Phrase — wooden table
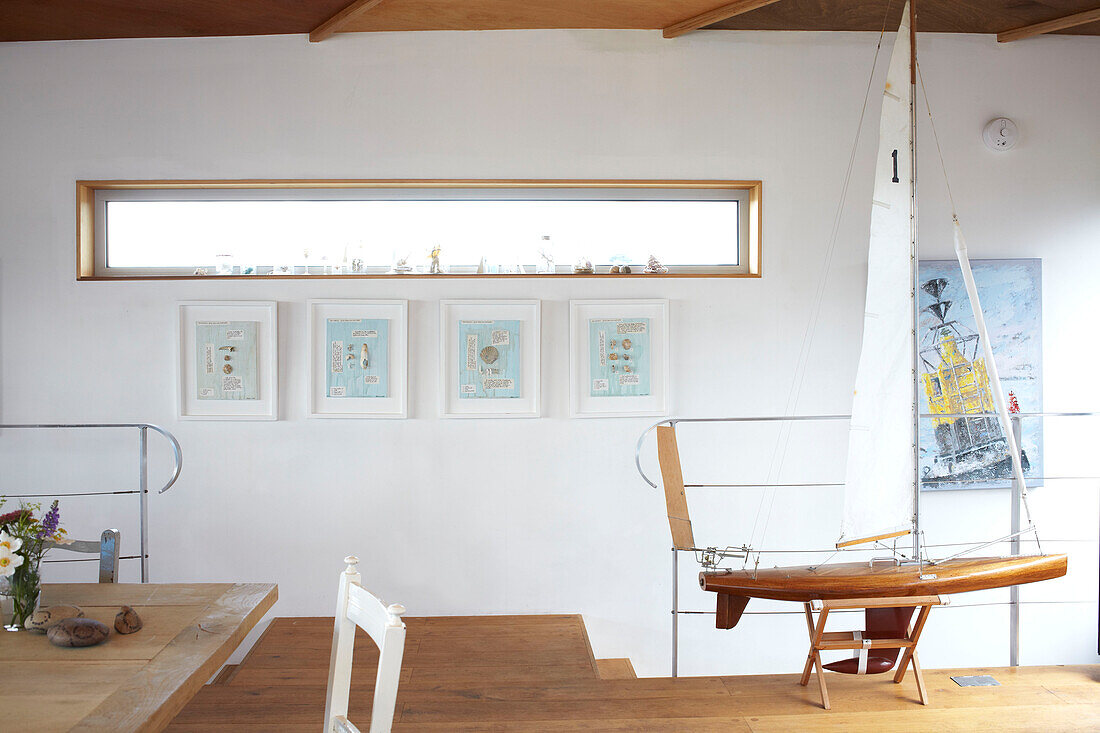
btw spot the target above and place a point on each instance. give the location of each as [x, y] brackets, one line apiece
[129, 683]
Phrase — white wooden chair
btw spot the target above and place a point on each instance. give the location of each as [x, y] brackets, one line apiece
[355, 606]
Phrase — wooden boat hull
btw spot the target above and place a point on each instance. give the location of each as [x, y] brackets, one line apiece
[859, 580]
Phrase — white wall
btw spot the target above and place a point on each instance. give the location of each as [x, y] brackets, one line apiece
[548, 515]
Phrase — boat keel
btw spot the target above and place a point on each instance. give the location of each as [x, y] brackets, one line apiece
[730, 608]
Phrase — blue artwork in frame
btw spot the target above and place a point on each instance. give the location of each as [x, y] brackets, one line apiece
[971, 453]
[619, 357]
[358, 356]
[226, 357]
[489, 359]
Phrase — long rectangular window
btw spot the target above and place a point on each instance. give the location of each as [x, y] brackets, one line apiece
[378, 229]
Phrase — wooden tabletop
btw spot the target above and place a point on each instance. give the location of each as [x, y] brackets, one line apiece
[128, 683]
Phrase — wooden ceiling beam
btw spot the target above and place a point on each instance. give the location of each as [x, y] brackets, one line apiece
[1049, 26]
[724, 12]
[338, 21]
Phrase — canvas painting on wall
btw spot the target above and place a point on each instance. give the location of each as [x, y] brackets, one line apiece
[971, 453]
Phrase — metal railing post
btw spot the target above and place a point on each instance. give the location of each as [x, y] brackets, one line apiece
[143, 497]
[675, 609]
[1014, 591]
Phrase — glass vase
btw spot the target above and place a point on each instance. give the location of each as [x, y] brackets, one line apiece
[24, 587]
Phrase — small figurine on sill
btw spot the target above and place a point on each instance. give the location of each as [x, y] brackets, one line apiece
[583, 266]
[655, 267]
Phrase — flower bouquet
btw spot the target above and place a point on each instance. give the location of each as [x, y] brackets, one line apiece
[23, 537]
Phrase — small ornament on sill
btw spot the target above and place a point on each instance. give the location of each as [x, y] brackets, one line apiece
[547, 266]
[402, 266]
[613, 270]
[654, 267]
[434, 268]
[200, 271]
[583, 266]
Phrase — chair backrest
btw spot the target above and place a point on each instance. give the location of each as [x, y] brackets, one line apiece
[106, 548]
[355, 606]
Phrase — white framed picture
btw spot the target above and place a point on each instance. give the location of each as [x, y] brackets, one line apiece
[228, 360]
[619, 358]
[358, 359]
[490, 352]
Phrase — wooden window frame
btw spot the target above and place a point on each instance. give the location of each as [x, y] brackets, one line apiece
[86, 265]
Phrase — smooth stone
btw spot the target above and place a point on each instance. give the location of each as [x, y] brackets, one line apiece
[45, 619]
[77, 632]
[127, 621]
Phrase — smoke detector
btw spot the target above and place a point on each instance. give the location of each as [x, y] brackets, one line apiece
[1000, 134]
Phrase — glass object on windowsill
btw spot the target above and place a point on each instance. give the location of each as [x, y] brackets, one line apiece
[224, 263]
[402, 266]
[546, 257]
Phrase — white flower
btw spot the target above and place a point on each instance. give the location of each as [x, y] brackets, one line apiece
[7, 542]
[9, 561]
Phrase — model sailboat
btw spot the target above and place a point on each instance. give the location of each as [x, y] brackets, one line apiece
[881, 485]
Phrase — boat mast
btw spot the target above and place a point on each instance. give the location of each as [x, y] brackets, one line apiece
[915, 270]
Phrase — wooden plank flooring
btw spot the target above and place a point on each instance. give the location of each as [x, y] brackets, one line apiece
[537, 673]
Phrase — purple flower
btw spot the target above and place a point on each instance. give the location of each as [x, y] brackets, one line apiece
[50, 522]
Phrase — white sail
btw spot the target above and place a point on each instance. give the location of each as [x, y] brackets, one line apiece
[987, 349]
[879, 483]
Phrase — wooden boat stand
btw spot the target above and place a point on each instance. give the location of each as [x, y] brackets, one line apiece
[821, 640]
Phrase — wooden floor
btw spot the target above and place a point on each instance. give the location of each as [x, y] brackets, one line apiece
[537, 673]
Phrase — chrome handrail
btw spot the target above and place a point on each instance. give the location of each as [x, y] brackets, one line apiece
[673, 421]
[143, 471]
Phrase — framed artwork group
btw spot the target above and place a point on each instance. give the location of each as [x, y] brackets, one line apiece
[489, 359]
